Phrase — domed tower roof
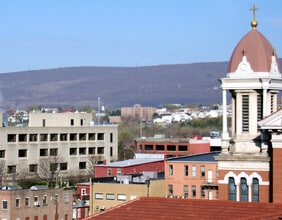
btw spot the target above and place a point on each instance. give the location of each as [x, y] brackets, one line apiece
[256, 49]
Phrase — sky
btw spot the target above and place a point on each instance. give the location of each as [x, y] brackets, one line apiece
[67, 33]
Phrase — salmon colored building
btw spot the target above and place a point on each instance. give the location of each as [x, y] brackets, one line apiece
[192, 176]
[249, 166]
[172, 147]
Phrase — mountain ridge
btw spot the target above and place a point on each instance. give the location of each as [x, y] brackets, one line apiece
[195, 83]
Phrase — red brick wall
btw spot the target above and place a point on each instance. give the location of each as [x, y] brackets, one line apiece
[277, 175]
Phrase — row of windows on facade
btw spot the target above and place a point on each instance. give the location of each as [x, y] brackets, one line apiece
[57, 137]
[186, 170]
[54, 151]
[33, 168]
[157, 147]
[242, 193]
[37, 201]
[193, 191]
[110, 196]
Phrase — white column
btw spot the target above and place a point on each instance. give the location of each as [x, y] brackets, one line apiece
[250, 192]
[264, 103]
[224, 115]
[238, 192]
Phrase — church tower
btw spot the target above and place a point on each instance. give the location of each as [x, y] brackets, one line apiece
[253, 81]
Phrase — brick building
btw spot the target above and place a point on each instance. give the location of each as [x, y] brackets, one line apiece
[36, 203]
[138, 112]
[172, 147]
[193, 176]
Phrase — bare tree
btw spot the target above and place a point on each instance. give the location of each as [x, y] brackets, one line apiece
[2, 171]
[49, 169]
[91, 162]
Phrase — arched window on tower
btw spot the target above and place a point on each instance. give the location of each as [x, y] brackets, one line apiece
[244, 190]
[231, 189]
[255, 190]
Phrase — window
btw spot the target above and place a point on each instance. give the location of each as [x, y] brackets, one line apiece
[245, 113]
[91, 150]
[186, 171]
[149, 147]
[170, 170]
[111, 151]
[22, 137]
[171, 148]
[53, 152]
[44, 200]
[100, 150]
[33, 168]
[43, 137]
[203, 171]
[71, 122]
[185, 191]
[159, 147]
[110, 196]
[81, 122]
[118, 171]
[73, 137]
[109, 172]
[53, 137]
[4, 204]
[2, 153]
[100, 136]
[53, 167]
[202, 192]
[43, 152]
[170, 190]
[121, 197]
[194, 170]
[18, 203]
[12, 169]
[22, 153]
[244, 190]
[82, 137]
[73, 151]
[63, 166]
[36, 201]
[194, 191]
[63, 137]
[43, 123]
[82, 150]
[111, 137]
[82, 165]
[66, 197]
[182, 148]
[255, 190]
[26, 201]
[99, 196]
[11, 138]
[91, 136]
[231, 189]
[33, 137]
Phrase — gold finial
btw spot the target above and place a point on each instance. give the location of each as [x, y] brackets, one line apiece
[254, 22]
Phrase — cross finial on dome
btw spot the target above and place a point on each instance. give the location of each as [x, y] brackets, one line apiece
[244, 52]
[254, 22]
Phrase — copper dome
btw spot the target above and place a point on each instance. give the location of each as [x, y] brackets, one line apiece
[258, 51]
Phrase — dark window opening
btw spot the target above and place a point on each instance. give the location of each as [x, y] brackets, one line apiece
[73, 137]
[149, 147]
[22, 137]
[82, 137]
[43, 137]
[182, 148]
[100, 136]
[22, 153]
[171, 148]
[160, 147]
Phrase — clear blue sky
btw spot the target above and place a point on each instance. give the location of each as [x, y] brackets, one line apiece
[64, 33]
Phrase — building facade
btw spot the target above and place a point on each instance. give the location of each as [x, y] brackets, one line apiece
[254, 81]
[172, 147]
[56, 145]
[31, 204]
[193, 176]
[138, 112]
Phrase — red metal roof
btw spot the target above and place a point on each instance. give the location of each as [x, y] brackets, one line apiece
[258, 51]
[180, 209]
